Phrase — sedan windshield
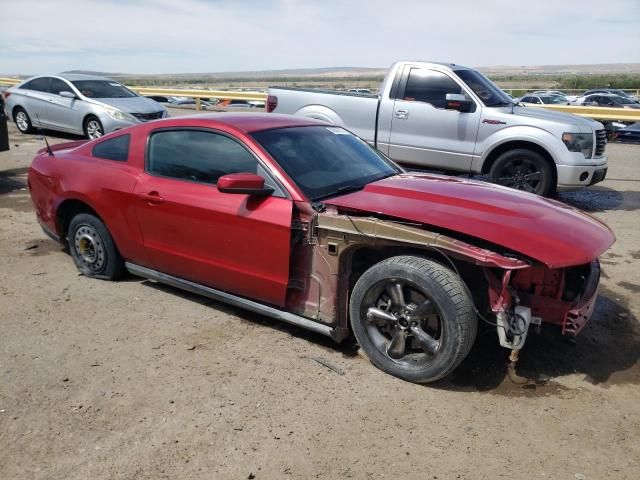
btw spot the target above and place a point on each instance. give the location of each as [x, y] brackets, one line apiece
[490, 94]
[551, 99]
[102, 89]
[325, 161]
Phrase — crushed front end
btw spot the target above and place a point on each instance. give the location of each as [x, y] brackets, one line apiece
[563, 296]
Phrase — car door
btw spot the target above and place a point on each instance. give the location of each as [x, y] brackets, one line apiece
[35, 98]
[233, 242]
[423, 132]
[62, 112]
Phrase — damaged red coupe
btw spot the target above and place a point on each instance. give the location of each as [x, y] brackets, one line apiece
[306, 223]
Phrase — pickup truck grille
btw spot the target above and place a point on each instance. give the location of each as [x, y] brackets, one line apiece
[145, 117]
[601, 141]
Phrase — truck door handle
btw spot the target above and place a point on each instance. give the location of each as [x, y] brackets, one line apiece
[151, 197]
[402, 114]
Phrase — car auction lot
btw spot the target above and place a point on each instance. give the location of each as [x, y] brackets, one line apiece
[135, 380]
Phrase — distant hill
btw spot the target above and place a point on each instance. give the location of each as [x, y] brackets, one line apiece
[607, 68]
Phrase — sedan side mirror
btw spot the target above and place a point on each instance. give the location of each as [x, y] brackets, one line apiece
[67, 94]
[246, 183]
[457, 101]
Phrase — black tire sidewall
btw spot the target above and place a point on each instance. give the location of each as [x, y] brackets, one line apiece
[114, 265]
[548, 187]
[455, 343]
[86, 124]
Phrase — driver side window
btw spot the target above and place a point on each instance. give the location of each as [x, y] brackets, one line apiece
[197, 156]
[429, 86]
[58, 86]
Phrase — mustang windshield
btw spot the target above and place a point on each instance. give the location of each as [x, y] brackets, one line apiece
[490, 94]
[102, 89]
[325, 161]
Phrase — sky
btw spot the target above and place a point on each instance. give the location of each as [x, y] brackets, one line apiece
[190, 36]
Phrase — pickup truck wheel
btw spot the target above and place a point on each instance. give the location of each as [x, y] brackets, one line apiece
[525, 170]
[413, 318]
[23, 122]
[92, 248]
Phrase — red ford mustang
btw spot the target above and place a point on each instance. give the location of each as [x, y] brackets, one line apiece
[305, 222]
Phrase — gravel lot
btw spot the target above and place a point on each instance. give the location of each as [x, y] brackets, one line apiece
[133, 380]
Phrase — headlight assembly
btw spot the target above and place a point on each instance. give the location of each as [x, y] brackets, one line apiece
[118, 115]
[579, 142]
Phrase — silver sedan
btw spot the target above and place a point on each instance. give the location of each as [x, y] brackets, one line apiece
[81, 104]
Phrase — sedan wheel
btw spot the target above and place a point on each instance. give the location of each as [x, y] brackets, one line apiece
[23, 122]
[93, 128]
[413, 318]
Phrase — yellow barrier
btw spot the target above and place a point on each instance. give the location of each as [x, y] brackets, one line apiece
[9, 81]
[223, 94]
[597, 113]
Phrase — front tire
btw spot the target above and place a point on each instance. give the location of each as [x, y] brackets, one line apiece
[93, 128]
[93, 249]
[413, 318]
[23, 122]
[525, 170]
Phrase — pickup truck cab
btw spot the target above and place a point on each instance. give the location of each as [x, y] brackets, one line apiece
[452, 118]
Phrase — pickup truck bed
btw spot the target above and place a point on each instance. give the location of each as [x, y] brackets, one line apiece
[358, 111]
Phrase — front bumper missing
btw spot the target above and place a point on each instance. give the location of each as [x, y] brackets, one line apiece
[578, 316]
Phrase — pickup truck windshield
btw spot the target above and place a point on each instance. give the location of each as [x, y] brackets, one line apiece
[325, 161]
[490, 94]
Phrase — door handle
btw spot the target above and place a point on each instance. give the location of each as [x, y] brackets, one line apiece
[401, 114]
[151, 197]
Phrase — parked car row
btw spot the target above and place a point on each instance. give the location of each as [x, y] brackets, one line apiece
[603, 97]
[207, 102]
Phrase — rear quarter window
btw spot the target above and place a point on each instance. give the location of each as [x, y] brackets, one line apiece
[38, 84]
[116, 149]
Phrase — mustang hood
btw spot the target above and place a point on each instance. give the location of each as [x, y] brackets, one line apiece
[542, 229]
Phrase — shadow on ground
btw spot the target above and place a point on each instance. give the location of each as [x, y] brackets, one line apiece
[600, 198]
[13, 179]
[609, 344]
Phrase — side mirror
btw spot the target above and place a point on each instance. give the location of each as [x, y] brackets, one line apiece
[457, 101]
[245, 183]
[67, 94]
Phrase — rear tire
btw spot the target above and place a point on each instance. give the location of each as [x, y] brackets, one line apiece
[525, 170]
[413, 318]
[93, 127]
[93, 249]
[23, 122]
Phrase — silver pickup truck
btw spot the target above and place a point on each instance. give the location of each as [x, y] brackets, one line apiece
[447, 117]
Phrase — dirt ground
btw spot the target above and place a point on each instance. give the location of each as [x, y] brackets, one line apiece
[133, 380]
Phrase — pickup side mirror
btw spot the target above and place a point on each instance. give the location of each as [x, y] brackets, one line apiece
[457, 101]
[245, 183]
[67, 94]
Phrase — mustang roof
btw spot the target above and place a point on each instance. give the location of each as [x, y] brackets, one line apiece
[247, 122]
